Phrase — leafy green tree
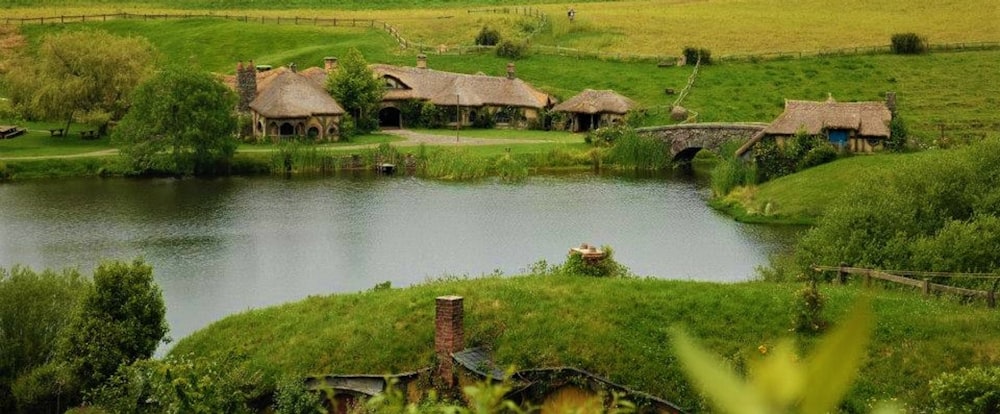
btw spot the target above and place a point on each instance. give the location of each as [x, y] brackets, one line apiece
[33, 311]
[182, 117]
[121, 320]
[358, 90]
[87, 76]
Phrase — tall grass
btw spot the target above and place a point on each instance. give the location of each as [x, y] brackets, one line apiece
[731, 171]
[634, 151]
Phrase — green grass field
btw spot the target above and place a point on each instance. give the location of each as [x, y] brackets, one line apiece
[637, 27]
[958, 91]
[618, 328]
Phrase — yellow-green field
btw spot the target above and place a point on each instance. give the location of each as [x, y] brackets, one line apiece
[662, 27]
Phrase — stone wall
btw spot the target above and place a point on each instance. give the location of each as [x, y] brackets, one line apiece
[684, 139]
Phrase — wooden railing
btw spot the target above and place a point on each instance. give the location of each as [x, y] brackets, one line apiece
[925, 285]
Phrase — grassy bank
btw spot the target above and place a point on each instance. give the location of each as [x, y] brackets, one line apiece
[625, 338]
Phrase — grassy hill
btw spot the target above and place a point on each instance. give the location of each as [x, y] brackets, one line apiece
[636, 27]
[618, 328]
[955, 90]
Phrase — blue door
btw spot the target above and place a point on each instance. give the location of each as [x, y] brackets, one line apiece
[838, 137]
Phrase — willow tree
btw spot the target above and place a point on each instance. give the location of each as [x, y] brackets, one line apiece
[85, 76]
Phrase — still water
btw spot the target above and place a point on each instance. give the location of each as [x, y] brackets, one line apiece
[227, 245]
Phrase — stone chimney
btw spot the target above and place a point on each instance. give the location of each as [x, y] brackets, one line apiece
[330, 64]
[449, 335]
[422, 61]
[510, 70]
[890, 102]
[246, 84]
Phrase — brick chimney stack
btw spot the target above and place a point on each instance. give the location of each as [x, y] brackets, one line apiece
[330, 64]
[422, 61]
[510, 70]
[449, 335]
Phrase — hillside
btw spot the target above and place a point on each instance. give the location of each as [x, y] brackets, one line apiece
[618, 328]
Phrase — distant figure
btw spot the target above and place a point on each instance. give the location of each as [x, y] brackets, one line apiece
[571, 14]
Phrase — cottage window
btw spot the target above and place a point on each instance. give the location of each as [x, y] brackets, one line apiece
[286, 129]
[313, 132]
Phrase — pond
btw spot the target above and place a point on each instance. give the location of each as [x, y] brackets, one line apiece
[226, 245]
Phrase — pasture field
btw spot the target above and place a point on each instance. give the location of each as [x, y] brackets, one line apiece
[636, 27]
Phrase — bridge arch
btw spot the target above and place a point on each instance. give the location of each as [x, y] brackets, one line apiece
[685, 140]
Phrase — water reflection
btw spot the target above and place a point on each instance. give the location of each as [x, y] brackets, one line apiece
[223, 246]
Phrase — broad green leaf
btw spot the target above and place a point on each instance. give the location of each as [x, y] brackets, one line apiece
[779, 377]
[834, 363]
[722, 386]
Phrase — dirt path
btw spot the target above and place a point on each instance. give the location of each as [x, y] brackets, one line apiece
[411, 139]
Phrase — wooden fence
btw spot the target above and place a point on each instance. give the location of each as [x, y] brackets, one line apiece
[925, 285]
[466, 49]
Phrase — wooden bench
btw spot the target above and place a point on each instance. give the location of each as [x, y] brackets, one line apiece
[92, 134]
[10, 131]
[56, 132]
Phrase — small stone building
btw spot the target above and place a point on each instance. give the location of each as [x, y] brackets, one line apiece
[509, 100]
[285, 102]
[852, 126]
[592, 109]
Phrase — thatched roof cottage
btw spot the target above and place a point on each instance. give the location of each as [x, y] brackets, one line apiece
[511, 101]
[284, 102]
[593, 109]
[853, 126]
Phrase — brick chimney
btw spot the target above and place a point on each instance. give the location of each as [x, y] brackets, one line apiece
[330, 64]
[510, 70]
[449, 335]
[422, 61]
[890, 102]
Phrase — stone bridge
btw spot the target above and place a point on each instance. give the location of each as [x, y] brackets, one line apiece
[685, 140]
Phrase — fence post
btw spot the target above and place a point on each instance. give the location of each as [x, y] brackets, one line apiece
[991, 299]
[926, 287]
[868, 279]
[842, 274]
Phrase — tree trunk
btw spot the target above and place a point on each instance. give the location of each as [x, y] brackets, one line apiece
[69, 121]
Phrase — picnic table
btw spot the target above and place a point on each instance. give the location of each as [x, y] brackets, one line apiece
[10, 131]
[91, 134]
[56, 132]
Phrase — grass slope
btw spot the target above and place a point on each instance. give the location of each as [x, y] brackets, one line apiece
[956, 90]
[618, 328]
[644, 27]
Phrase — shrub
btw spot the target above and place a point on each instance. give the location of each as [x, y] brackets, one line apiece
[511, 50]
[971, 390]
[607, 136]
[898, 134]
[818, 155]
[692, 54]
[483, 119]
[488, 37]
[807, 311]
[908, 44]
[576, 264]
[292, 397]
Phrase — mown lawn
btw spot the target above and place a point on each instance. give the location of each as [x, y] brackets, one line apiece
[39, 142]
[613, 327]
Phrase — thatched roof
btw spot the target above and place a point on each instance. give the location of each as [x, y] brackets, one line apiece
[869, 119]
[595, 102]
[288, 94]
[441, 88]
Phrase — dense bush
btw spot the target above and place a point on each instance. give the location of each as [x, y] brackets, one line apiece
[511, 50]
[908, 44]
[483, 119]
[576, 264]
[693, 54]
[607, 136]
[971, 390]
[898, 134]
[807, 310]
[488, 37]
[180, 385]
[800, 152]
[938, 212]
[34, 309]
